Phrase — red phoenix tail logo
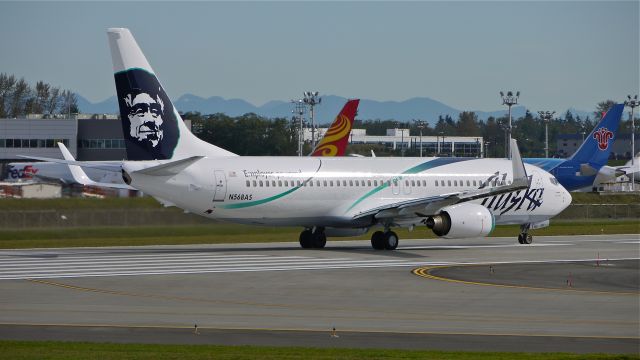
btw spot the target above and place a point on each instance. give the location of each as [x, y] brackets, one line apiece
[602, 136]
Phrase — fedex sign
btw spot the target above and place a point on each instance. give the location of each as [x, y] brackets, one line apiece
[24, 172]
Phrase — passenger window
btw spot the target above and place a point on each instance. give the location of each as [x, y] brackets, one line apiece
[406, 183]
[324, 182]
[455, 182]
[266, 183]
[424, 182]
[350, 182]
[299, 183]
[273, 183]
[375, 183]
[260, 183]
[436, 182]
[344, 182]
[474, 183]
[468, 183]
[280, 183]
[331, 183]
[369, 182]
[248, 183]
[448, 182]
[441, 182]
[286, 183]
[337, 182]
[254, 183]
[413, 183]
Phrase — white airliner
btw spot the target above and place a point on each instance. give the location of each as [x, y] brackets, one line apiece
[337, 196]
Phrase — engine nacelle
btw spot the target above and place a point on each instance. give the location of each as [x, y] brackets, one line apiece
[462, 221]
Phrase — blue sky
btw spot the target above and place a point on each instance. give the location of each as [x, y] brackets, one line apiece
[558, 54]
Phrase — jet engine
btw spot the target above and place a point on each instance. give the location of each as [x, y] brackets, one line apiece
[462, 221]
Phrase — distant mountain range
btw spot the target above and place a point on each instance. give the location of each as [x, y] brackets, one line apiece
[416, 108]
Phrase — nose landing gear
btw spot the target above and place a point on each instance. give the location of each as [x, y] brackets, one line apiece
[524, 237]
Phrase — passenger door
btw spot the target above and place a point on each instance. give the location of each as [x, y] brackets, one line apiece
[220, 187]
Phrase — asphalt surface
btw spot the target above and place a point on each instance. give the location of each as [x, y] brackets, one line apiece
[566, 293]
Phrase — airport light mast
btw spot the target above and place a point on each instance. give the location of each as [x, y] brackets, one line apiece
[312, 99]
[546, 116]
[298, 115]
[420, 125]
[632, 103]
[509, 100]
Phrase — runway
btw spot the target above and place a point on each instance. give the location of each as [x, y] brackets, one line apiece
[577, 294]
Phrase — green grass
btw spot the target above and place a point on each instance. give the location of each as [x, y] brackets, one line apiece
[78, 203]
[233, 233]
[50, 350]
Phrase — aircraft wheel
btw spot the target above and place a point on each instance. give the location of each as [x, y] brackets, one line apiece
[521, 238]
[390, 240]
[377, 240]
[306, 239]
[528, 239]
[319, 240]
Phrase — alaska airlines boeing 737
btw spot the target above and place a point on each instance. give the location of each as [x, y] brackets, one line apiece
[335, 196]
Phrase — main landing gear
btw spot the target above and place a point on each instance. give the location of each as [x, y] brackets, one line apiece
[524, 237]
[313, 238]
[387, 240]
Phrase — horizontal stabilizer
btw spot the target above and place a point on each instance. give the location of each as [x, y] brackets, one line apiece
[170, 168]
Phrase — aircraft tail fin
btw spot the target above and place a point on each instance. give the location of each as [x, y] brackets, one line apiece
[152, 127]
[335, 140]
[596, 148]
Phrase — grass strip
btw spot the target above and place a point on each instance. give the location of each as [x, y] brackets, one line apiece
[234, 233]
[54, 350]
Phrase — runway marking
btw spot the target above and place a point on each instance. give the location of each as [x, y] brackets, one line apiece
[424, 272]
[342, 330]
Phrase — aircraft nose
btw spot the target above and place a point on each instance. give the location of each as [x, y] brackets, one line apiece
[566, 200]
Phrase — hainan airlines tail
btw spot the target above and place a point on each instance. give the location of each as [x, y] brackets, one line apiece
[335, 140]
[152, 127]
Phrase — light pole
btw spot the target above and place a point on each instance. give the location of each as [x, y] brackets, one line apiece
[509, 100]
[402, 142]
[546, 116]
[311, 98]
[420, 125]
[486, 148]
[632, 103]
[298, 113]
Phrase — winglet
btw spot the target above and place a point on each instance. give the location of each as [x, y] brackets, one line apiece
[519, 172]
[77, 173]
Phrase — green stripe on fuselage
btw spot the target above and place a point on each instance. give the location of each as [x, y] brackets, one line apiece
[414, 170]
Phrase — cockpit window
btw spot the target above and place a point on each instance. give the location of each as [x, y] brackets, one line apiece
[553, 180]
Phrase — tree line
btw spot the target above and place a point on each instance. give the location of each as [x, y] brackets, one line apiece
[251, 134]
[18, 98]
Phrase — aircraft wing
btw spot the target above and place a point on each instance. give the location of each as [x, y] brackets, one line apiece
[116, 167]
[81, 177]
[423, 207]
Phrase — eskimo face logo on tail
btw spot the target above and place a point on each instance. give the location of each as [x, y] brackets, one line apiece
[145, 116]
[149, 123]
[602, 136]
